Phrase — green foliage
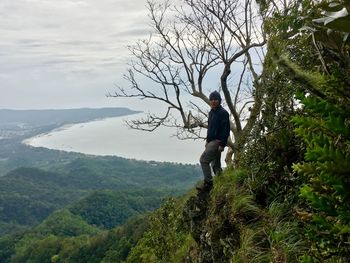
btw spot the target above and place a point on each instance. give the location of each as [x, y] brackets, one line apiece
[113, 246]
[325, 129]
[273, 147]
[233, 228]
[274, 238]
[64, 223]
[232, 209]
[225, 226]
[284, 234]
[48, 238]
[40, 251]
[334, 17]
[265, 235]
[8, 246]
[165, 240]
[29, 195]
[107, 209]
[249, 216]
[67, 238]
[239, 203]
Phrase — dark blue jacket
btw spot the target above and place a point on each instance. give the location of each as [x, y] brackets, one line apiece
[218, 125]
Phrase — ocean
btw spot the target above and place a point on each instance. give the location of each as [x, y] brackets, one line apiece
[111, 136]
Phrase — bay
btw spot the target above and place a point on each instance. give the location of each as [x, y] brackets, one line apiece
[112, 137]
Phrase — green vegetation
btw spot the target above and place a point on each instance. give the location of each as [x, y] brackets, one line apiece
[289, 199]
[55, 204]
[225, 226]
[107, 209]
[29, 195]
[325, 128]
[14, 154]
[326, 176]
[286, 200]
[79, 242]
[64, 223]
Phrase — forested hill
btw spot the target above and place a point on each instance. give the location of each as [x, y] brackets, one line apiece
[59, 117]
[80, 204]
[29, 195]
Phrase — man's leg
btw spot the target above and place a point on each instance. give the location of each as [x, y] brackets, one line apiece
[209, 155]
[216, 164]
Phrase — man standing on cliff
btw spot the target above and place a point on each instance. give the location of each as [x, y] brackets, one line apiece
[217, 136]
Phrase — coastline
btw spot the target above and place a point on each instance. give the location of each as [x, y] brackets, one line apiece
[64, 127]
[111, 137]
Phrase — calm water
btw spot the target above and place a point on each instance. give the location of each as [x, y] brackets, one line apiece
[112, 137]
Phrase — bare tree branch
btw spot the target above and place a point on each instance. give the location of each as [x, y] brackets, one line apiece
[198, 40]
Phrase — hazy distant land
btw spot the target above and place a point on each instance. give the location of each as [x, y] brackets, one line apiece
[58, 117]
[18, 125]
[97, 132]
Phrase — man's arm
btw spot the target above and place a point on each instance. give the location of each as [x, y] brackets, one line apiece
[224, 129]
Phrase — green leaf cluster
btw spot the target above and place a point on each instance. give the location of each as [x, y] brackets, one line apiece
[325, 128]
[167, 240]
[65, 237]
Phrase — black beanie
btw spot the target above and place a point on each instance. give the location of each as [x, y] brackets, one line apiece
[215, 96]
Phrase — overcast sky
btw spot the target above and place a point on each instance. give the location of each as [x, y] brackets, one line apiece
[66, 53]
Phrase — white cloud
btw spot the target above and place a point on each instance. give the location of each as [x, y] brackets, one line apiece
[55, 41]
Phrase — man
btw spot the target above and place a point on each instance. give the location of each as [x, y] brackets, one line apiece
[217, 135]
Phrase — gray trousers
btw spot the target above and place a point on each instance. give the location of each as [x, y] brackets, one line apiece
[212, 156]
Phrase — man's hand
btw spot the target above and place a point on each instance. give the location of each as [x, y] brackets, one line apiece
[221, 149]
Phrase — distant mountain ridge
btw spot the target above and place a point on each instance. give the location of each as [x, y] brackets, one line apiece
[59, 116]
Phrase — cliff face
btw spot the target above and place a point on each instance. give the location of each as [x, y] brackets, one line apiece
[225, 225]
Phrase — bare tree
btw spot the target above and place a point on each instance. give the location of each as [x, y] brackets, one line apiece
[191, 43]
